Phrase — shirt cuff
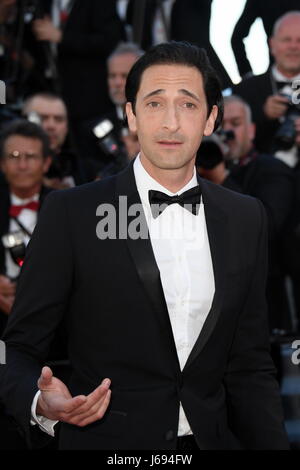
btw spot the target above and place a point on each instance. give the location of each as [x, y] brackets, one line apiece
[45, 424]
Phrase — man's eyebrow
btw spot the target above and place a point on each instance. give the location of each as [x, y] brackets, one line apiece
[44, 115]
[153, 93]
[189, 93]
[183, 91]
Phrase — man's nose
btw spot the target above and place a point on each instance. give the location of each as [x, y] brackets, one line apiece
[171, 118]
[49, 124]
[119, 82]
[23, 162]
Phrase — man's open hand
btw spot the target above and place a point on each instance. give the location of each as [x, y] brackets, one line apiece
[55, 401]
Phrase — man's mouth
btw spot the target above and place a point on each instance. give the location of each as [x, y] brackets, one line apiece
[170, 143]
[293, 56]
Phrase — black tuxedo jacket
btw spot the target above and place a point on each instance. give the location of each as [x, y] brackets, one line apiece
[111, 295]
[254, 91]
[91, 33]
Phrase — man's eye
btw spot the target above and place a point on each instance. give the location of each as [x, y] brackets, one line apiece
[189, 105]
[153, 104]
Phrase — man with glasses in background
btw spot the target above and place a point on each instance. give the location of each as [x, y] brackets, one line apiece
[24, 158]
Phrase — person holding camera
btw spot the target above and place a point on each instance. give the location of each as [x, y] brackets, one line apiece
[109, 143]
[50, 112]
[271, 95]
[25, 158]
[241, 167]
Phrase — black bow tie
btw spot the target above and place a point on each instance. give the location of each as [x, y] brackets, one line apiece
[190, 200]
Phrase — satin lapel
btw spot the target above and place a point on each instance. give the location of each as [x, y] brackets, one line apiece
[216, 222]
[143, 258]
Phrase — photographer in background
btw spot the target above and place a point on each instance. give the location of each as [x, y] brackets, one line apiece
[109, 141]
[268, 11]
[24, 154]
[24, 158]
[49, 111]
[270, 94]
[244, 169]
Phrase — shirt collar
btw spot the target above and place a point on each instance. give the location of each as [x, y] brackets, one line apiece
[120, 112]
[145, 182]
[279, 77]
[16, 201]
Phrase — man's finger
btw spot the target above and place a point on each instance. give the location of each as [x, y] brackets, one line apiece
[91, 417]
[94, 399]
[45, 378]
[92, 402]
[280, 98]
[100, 390]
[72, 405]
[91, 406]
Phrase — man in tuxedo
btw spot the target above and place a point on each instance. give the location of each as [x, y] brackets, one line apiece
[269, 180]
[168, 336]
[49, 110]
[25, 158]
[269, 94]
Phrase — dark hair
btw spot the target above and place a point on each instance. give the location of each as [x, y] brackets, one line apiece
[25, 128]
[46, 95]
[182, 53]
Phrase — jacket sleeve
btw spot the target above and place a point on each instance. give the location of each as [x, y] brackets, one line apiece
[41, 299]
[255, 413]
[93, 29]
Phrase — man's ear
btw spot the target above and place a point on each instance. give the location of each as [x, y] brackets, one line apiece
[252, 130]
[131, 119]
[210, 123]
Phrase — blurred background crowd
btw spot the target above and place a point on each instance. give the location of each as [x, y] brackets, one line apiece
[63, 68]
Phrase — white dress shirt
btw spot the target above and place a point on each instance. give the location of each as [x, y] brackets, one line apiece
[181, 248]
[279, 77]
